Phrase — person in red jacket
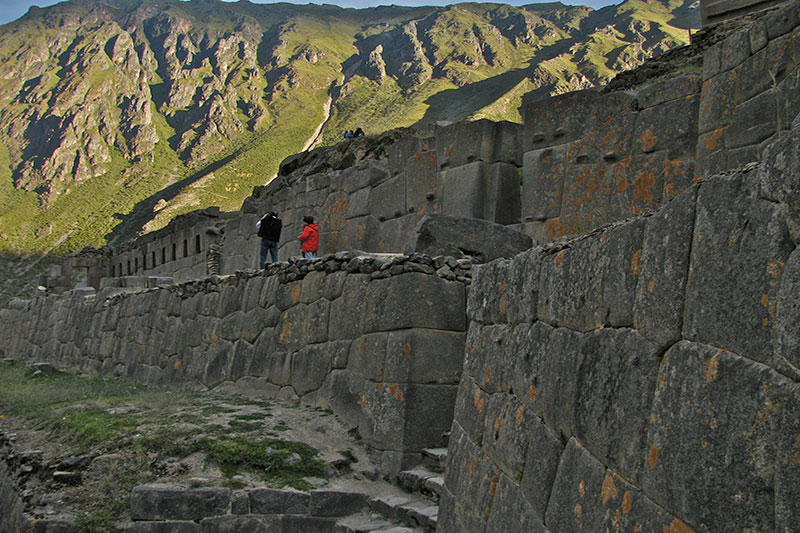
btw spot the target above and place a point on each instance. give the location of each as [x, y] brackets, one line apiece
[309, 239]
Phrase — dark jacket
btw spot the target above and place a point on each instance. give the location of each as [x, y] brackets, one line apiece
[270, 228]
[309, 238]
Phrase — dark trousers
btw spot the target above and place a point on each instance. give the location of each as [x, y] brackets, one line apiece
[272, 247]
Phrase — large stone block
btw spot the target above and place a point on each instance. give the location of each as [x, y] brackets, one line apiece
[658, 129]
[304, 324]
[347, 311]
[273, 501]
[664, 267]
[333, 214]
[368, 356]
[310, 366]
[787, 101]
[470, 409]
[489, 293]
[393, 235]
[712, 441]
[423, 356]
[716, 102]
[422, 184]
[233, 524]
[336, 503]
[356, 234]
[558, 120]
[481, 140]
[511, 511]
[388, 200]
[541, 466]
[364, 174]
[787, 465]
[543, 177]
[666, 90]
[359, 203]
[155, 503]
[622, 248]
[753, 121]
[740, 248]
[779, 175]
[456, 236]
[414, 300]
[588, 497]
[571, 289]
[615, 379]
[399, 152]
[482, 190]
[508, 429]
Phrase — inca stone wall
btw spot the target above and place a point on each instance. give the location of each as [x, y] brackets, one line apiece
[378, 339]
[643, 377]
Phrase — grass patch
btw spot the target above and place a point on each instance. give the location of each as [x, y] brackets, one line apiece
[278, 462]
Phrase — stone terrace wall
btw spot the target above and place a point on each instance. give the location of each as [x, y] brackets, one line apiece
[379, 340]
[750, 86]
[643, 377]
[466, 169]
[181, 250]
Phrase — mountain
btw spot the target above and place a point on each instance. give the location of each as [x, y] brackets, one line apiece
[118, 115]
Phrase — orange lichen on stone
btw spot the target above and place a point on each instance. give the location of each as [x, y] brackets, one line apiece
[478, 401]
[519, 415]
[471, 468]
[286, 332]
[622, 183]
[651, 287]
[396, 391]
[560, 258]
[609, 490]
[712, 367]
[578, 510]
[775, 268]
[488, 374]
[765, 300]
[407, 350]
[678, 526]
[498, 425]
[636, 262]
[177, 365]
[532, 393]
[296, 292]
[652, 457]
[627, 502]
[648, 140]
[711, 142]
[582, 488]
[643, 184]
[493, 484]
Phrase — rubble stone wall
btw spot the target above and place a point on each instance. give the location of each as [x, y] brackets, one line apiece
[379, 340]
[643, 377]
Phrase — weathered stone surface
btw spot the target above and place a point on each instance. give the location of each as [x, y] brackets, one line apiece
[481, 140]
[358, 203]
[486, 350]
[483, 191]
[234, 524]
[753, 121]
[470, 410]
[787, 465]
[394, 234]
[274, 501]
[511, 512]
[307, 524]
[543, 177]
[304, 324]
[423, 356]
[716, 103]
[735, 267]
[782, 20]
[456, 236]
[163, 527]
[558, 120]
[347, 312]
[735, 49]
[310, 366]
[541, 466]
[422, 184]
[356, 234]
[787, 318]
[155, 503]
[657, 127]
[713, 437]
[414, 300]
[571, 290]
[779, 175]
[388, 200]
[622, 248]
[336, 503]
[661, 91]
[506, 440]
[614, 386]
[663, 269]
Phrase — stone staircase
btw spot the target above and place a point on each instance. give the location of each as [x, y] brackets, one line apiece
[416, 511]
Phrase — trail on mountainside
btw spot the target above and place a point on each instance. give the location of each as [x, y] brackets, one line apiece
[333, 97]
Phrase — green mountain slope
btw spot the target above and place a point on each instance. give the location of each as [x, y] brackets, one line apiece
[120, 114]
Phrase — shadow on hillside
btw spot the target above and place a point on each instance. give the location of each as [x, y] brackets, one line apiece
[143, 212]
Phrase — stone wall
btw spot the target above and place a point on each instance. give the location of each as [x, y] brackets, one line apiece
[380, 340]
[185, 249]
[643, 377]
[12, 508]
[750, 86]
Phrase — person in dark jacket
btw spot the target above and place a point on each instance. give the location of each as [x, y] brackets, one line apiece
[309, 239]
[269, 229]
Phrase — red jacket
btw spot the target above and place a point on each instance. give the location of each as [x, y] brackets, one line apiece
[309, 238]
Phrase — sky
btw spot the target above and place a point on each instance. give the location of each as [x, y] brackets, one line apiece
[13, 9]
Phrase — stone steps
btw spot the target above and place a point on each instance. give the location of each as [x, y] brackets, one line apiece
[435, 459]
